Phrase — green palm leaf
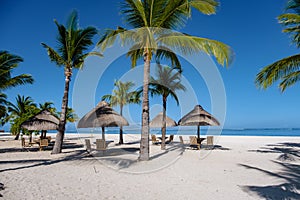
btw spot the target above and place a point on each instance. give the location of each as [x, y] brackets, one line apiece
[190, 44]
[8, 62]
[277, 71]
[54, 56]
[289, 80]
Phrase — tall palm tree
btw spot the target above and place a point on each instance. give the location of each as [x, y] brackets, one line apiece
[151, 36]
[122, 96]
[166, 83]
[8, 62]
[286, 70]
[73, 42]
[20, 112]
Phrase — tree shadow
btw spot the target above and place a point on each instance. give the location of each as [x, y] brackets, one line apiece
[290, 175]
[76, 155]
[287, 151]
[1, 188]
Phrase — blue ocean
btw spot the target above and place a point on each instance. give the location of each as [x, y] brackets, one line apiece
[203, 131]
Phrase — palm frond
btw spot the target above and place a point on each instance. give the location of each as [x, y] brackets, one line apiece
[82, 40]
[78, 63]
[289, 80]
[167, 53]
[72, 22]
[54, 56]
[278, 70]
[190, 44]
[174, 15]
[289, 19]
[9, 61]
[18, 80]
[109, 36]
[135, 53]
[293, 5]
[106, 97]
[207, 7]
[62, 41]
[134, 13]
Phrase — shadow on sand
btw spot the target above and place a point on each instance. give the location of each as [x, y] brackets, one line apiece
[118, 156]
[289, 173]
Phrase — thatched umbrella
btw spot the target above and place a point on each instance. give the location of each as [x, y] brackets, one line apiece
[198, 117]
[157, 122]
[102, 116]
[42, 121]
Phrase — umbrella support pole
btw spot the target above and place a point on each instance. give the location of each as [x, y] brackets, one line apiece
[103, 133]
[198, 132]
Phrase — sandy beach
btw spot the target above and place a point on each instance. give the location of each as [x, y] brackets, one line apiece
[239, 167]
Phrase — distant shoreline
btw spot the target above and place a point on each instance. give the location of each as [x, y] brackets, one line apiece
[272, 132]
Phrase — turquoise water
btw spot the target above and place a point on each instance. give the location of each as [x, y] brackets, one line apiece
[204, 131]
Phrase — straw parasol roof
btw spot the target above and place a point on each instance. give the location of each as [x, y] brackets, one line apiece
[44, 120]
[157, 121]
[198, 117]
[102, 116]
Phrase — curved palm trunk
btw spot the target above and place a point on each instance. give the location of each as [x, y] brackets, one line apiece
[144, 145]
[121, 127]
[163, 129]
[62, 121]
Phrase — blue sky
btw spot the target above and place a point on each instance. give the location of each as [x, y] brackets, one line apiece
[249, 27]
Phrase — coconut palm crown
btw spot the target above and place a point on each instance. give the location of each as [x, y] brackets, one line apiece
[286, 70]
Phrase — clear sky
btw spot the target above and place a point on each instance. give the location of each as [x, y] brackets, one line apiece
[249, 27]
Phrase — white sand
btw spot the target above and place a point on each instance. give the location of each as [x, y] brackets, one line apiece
[239, 168]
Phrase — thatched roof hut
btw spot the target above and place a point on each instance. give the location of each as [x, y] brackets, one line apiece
[102, 116]
[44, 120]
[157, 121]
[198, 117]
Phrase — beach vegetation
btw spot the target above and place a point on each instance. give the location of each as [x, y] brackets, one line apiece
[9, 62]
[152, 34]
[285, 70]
[73, 43]
[23, 109]
[122, 96]
[166, 83]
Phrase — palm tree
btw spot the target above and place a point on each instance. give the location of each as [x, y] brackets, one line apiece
[165, 84]
[286, 70]
[71, 116]
[121, 96]
[46, 105]
[20, 112]
[151, 36]
[8, 62]
[73, 42]
[3, 109]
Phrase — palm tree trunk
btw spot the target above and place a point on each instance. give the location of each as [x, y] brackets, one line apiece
[163, 129]
[17, 136]
[121, 128]
[62, 121]
[144, 145]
